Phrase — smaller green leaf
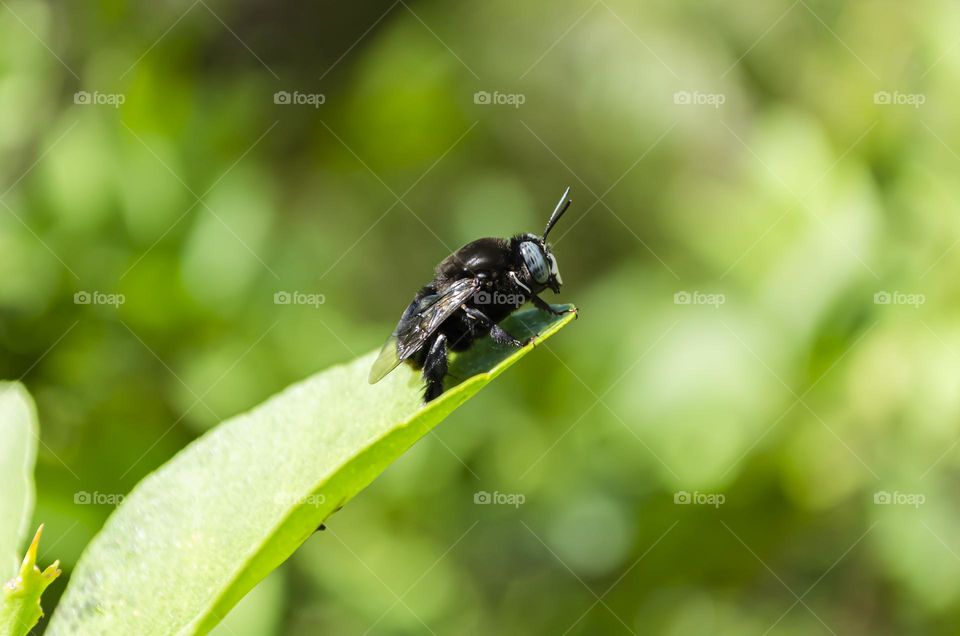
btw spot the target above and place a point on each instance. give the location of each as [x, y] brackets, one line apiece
[18, 453]
[21, 595]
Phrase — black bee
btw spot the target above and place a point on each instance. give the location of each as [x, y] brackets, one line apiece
[473, 289]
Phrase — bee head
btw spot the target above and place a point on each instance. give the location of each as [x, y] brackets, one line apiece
[537, 258]
[540, 263]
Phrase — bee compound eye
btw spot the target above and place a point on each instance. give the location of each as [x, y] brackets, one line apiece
[535, 262]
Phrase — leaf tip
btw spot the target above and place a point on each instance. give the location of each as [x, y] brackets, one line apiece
[20, 607]
[29, 570]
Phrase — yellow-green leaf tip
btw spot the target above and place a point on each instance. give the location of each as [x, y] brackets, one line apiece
[21, 595]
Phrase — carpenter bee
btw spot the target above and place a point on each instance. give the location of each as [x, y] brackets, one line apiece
[473, 289]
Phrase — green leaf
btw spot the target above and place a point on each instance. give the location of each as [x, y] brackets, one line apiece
[196, 535]
[18, 454]
[20, 603]
[20, 608]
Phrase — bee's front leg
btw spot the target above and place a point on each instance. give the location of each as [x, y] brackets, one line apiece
[516, 281]
[543, 305]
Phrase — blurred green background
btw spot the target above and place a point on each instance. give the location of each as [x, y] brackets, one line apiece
[751, 429]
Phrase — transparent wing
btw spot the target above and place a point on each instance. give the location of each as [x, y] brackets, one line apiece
[420, 320]
[387, 361]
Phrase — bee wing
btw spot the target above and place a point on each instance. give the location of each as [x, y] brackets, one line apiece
[387, 361]
[421, 319]
[390, 355]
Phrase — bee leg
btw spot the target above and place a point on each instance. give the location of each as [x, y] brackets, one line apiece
[543, 305]
[497, 333]
[504, 337]
[435, 368]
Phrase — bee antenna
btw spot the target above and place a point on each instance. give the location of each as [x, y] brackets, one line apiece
[558, 211]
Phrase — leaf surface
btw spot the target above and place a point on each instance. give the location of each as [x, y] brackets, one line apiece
[197, 534]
